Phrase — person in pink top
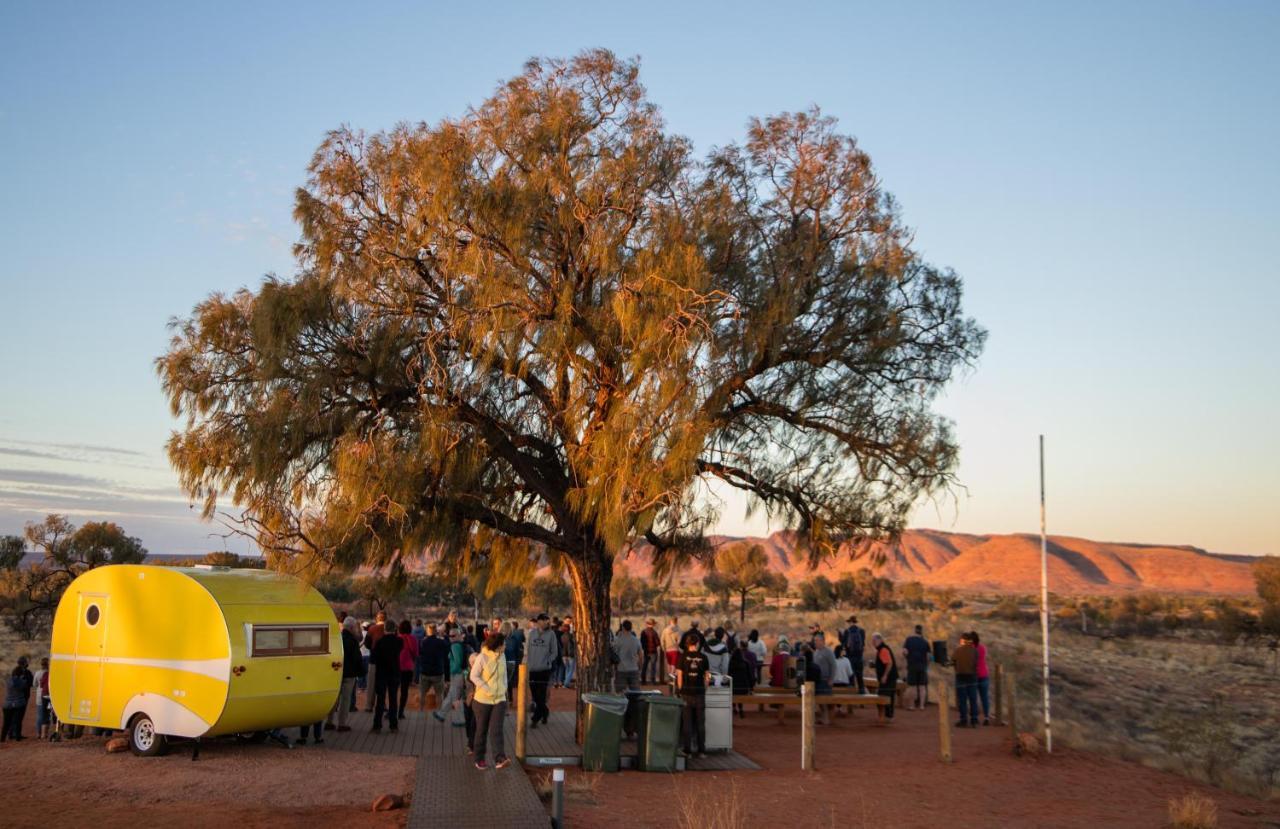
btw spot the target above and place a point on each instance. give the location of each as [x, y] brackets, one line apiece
[408, 658]
[984, 678]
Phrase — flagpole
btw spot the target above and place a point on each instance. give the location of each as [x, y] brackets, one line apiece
[1044, 605]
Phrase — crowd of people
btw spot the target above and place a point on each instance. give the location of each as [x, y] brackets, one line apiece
[470, 671]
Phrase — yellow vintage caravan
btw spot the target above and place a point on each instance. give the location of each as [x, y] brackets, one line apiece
[192, 652]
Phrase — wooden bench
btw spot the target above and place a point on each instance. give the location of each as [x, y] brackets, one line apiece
[840, 690]
[782, 697]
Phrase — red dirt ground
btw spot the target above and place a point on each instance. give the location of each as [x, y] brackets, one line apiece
[867, 776]
[870, 776]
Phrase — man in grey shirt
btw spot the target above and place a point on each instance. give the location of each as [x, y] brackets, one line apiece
[541, 650]
[627, 650]
[825, 661]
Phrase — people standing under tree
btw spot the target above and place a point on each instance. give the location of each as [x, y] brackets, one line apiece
[671, 642]
[457, 678]
[854, 640]
[408, 663]
[489, 675]
[651, 643]
[982, 681]
[541, 651]
[778, 667]
[17, 691]
[384, 664]
[626, 654]
[352, 668]
[757, 647]
[916, 652]
[433, 667]
[844, 669]
[965, 661]
[717, 652]
[40, 685]
[741, 673]
[568, 642]
[886, 676]
[371, 637]
[691, 685]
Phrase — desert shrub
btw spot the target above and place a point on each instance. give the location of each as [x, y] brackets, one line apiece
[1270, 621]
[1008, 609]
[719, 808]
[1233, 623]
[1147, 626]
[1201, 742]
[1193, 811]
[1171, 621]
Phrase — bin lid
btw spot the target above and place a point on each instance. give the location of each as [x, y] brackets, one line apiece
[643, 692]
[612, 703]
[659, 699]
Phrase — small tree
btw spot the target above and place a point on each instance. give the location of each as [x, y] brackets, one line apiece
[548, 593]
[817, 594]
[29, 598]
[742, 569]
[1266, 576]
[12, 549]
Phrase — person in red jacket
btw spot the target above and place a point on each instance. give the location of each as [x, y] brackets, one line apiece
[408, 658]
[652, 655]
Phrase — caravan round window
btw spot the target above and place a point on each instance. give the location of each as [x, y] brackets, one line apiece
[92, 614]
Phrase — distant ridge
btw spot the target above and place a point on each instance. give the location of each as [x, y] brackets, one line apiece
[1011, 564]
[987, 563]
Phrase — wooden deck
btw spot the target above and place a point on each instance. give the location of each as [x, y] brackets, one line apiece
[420, 735]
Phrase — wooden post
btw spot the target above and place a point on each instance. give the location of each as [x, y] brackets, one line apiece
[1011, 691]
[522, 710]
[806, 728]
[944, 724]
[998, 681]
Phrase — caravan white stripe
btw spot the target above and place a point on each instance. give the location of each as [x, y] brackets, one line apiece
[219, 669]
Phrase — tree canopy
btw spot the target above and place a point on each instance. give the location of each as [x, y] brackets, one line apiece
[537, 331]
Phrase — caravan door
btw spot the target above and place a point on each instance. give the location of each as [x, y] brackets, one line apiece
[87, 667]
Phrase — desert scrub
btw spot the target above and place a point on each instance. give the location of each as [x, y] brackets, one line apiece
[1193, 811]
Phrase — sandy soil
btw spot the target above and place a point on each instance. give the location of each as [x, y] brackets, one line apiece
[870, 776]
[76, 783]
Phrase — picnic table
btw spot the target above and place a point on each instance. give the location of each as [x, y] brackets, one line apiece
[780, 698]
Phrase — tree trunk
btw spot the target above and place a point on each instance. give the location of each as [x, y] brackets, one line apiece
[590, 578]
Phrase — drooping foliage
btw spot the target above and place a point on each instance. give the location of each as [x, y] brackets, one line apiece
[538, 330]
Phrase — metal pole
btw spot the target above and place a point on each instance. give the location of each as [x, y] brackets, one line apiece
[1044, 605]
[557, 799]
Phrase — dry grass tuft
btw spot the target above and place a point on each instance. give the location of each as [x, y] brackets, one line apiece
[721, 808]
[579, 787]
[1193, 811]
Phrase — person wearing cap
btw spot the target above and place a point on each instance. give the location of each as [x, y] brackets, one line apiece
[854, 640]
[541, 652]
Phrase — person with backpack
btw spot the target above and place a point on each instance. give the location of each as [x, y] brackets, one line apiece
[17, 691]
[916, 650]
[742, 674]
[433, 666]
[717, 652]
[691, 685]
[886, 676]
[626, 652]
[854, 640]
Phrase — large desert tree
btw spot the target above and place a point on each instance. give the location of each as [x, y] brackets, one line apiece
[743, 569]
[534, 333]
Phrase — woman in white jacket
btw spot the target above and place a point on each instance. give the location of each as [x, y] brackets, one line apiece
[489, 675]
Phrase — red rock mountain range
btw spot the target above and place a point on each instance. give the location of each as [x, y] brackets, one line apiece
[1011, 564]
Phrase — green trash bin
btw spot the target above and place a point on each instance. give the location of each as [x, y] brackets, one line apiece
[602, 731]
[659, 733]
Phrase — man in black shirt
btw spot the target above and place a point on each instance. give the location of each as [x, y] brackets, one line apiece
[386, 678]
[691, 684]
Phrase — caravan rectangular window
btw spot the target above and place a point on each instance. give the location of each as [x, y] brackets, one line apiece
[290, 640]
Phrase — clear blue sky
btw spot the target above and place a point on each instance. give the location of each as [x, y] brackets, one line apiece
[1103, 175]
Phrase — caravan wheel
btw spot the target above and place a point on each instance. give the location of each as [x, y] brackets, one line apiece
[144, 741]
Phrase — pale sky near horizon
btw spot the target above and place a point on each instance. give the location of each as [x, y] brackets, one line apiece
[1103, 176]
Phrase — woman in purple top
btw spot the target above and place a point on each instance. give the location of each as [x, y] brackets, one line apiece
[984, 678]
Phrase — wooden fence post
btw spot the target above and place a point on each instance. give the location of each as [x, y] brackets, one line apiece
[806, 727]
[999, 682]
[1011, 691]
[522, 710]
[944, 724]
